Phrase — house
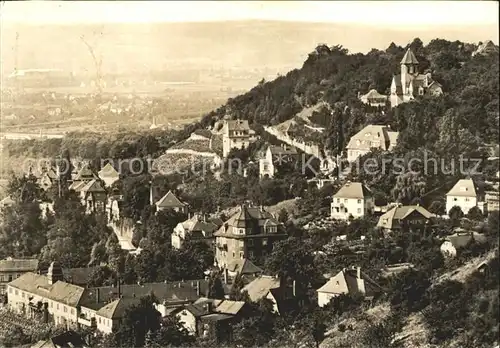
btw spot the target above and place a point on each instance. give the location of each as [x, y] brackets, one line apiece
[460, 240]
[348, 282]
[353, 200]
[197, 228]
[93, 195]
[63, 340]
[249, 233]
[54, 300]
[170, 201]
[236, 134]
[410, 83]
[486, 48]
[466, 193]
[492, 199]
[394, 269]
[282, 296]
[11, 269]
[84, 174]
[207, 316]
[373, 98]
[47, 178]
[274, 157]
[370, 137]
[108, 174]
[243, 267]
[404, 216]
[33, 293]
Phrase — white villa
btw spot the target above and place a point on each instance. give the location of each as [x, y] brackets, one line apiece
[372, 136]
[353, 199]
[465, 195]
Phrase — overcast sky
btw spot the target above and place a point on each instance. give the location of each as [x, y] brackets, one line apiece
[382, 13]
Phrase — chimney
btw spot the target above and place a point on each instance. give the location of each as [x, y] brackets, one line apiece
[226, 275]
[97, 295]
[198, 288]
[151, 198]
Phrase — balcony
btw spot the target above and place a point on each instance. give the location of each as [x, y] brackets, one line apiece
[85, 321]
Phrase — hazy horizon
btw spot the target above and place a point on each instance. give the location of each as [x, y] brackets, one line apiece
[137, 37]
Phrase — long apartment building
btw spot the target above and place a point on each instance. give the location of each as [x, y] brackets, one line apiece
[68, 305]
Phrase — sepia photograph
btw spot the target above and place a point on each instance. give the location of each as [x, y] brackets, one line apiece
[249, 174]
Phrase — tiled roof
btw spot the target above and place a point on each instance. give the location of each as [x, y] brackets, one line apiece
[260, 287]
[466, 188]
[78, 276]
[117, 308]
[219, 306]
[372, 136]
[85, 173]
[399, 213]
[18, 265]
[353, 190]
[244, 266]
[346, 282]
[39, 285]
[196, 224]
[66, 339]
[93, 186]
[280, 151]
[247, 217]
[108, 171]
[237, 125]
[373, 94]
[461, 240]
[409, 58]
[170, 201]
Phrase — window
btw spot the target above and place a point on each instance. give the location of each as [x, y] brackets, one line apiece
[264, 241]
[234, 255]
[57, 306]
[17, 292]
[455, 199]
[337, 209]
[250, 242]
[345, 200]
[359, 210]
[250, 254]
[22, 294]
[338, 200]
[99, 320]
[359, 201]
[72, 311]
[466, 199]
[241, 255]
[65, 309]
[51, 304]
[10, 290]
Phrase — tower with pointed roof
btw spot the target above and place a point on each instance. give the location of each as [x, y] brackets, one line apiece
[55, 273]
[410, 83]
[409, 68]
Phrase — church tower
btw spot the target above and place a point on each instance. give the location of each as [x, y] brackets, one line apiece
[409, 66]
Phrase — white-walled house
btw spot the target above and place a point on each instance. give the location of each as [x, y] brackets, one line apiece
[236, 134]
[371, 137]
[348, 282]
[353, 199]
[466, 194]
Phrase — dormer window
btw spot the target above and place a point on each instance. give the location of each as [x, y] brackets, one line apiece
[421, 91]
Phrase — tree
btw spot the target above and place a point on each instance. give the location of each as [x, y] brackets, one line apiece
[215, 287]
[438, 208]
[137, 321]
[455, 213]
[408, 291]
[475, 214]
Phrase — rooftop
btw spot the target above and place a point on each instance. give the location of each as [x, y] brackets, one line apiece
[353, 190]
